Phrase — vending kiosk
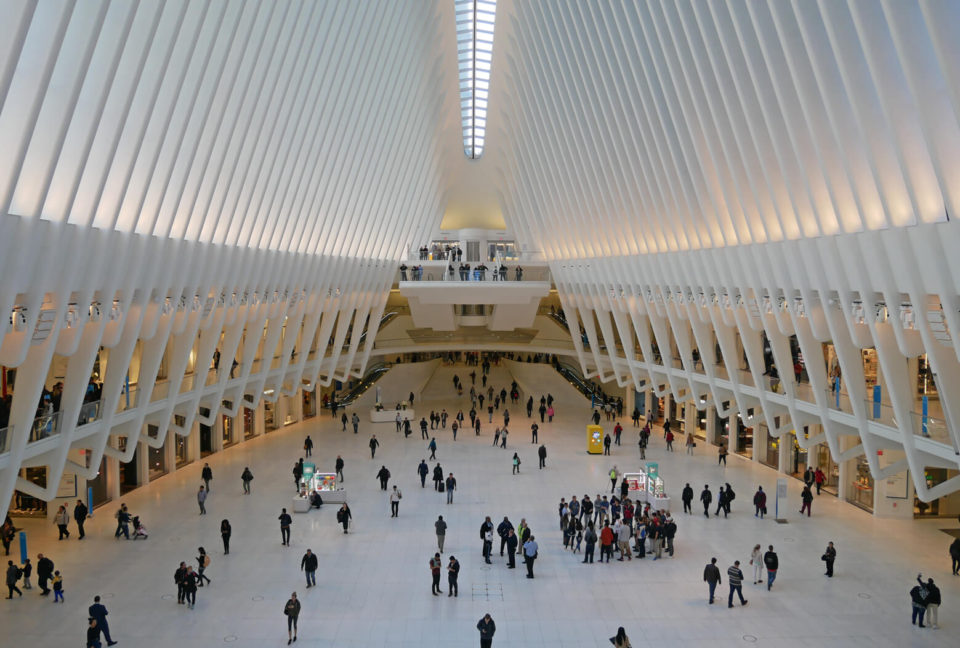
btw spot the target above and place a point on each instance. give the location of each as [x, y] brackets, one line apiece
[594, 439]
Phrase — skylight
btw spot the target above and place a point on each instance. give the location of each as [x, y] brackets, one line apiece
[475, 53]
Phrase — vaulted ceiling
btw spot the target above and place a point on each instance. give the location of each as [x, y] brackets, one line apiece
[614, 127]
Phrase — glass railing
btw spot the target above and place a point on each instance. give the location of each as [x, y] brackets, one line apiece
[434, 271]
[5, 434]
[45, 427]
[187, 383]
[89, 412]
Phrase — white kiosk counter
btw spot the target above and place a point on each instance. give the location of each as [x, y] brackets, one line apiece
[390, 415]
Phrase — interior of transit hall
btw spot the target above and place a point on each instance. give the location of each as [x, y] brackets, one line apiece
[372, 585]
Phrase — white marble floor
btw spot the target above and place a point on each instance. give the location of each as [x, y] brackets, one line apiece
[375, 583]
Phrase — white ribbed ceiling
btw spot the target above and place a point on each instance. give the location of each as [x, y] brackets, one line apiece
[633, 127]
[614, 128]
[303, 125]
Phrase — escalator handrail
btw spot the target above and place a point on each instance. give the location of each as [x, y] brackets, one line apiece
[371, 376]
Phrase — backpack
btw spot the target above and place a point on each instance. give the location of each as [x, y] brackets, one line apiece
[206, 561]
[340, 515]
[19, 573]
[731, 495]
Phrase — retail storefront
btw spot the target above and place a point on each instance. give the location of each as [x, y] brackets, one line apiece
[700, 431]
[229, 431]
[860, 492]
[270, 422]
[157, 458]
[743, 443]
[770, 456]
[249, 425]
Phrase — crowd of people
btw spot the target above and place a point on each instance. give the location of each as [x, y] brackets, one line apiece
[621, 526]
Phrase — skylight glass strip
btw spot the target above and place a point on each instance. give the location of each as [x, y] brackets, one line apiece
[475, 22]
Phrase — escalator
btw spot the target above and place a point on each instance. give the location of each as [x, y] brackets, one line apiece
[576, 379]
[374, 373]
[386, 319]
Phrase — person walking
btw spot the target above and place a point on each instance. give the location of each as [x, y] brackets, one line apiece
[516, 463]
[691, 444]
[80, 513]
[735, 579]
[706, 497]
[807, 498]
[918, 600]
[721, 503]
[206, 474]
[503, 438]
[285, 522]
[451, 485]
[722, 455]
[955, 556]
[432, 447]
[374, 444]
[453, 573]
[933, 602]
[13, 576]
[27, 572]
[57, 587]
[614, 476]
[98, 612]
[530, 553]
[441, 528]
[687, 497]
[355, 420]
[308, 446]
[93, 634]
[203, 561]
[201, 500]
[534, 433]
[829, 555]
[670, 441]
[246, 477]
[297, 474]
[62, 519]
[344, 516]
[291, 609]
[339, 467]
[759, 503]
[487, 628]
[756, 560]
[606, 444]
[384, 476]
[225, 532]
[423, 470]
[44, 573]
[308, 565]
[771, 562]
[542, 454]
[711, 576]
[395, 497]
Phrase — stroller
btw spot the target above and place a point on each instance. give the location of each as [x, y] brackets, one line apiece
[139, 531]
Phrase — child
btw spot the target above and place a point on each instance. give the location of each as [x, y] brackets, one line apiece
[27, 571]
[57, 587]
[579, 535]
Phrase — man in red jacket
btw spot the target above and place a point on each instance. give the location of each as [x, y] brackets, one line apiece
[606, 542]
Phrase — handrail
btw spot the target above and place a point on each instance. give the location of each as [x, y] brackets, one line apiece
[575, 378]
[373, 375]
